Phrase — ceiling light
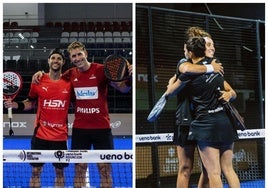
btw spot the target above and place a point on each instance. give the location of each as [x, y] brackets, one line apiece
[21, 36]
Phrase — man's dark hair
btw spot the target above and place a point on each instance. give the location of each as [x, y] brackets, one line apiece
[57, 51]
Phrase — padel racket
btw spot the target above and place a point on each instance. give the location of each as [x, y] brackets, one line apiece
[116, 68]
[232, 112]
[12, 83]
[238, 121]
[157, 109]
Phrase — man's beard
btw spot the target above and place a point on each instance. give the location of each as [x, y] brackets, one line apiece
[56, 70]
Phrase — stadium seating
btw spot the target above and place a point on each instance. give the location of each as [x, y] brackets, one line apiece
[102, 38]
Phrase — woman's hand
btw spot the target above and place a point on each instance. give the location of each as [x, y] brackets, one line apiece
[226, 96]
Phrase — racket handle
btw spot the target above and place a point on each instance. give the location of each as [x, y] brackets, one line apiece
[10, 112]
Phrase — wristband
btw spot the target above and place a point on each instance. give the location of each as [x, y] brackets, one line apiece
[21, 106]
[210, 68]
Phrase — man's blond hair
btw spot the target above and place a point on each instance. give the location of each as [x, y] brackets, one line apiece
[75, 45]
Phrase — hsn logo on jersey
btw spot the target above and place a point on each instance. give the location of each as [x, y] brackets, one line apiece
[54, 103]
[86, 92]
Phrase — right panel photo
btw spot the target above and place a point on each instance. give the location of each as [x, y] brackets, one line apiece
[200, 104]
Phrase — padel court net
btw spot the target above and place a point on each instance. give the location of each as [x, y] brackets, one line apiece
[157, 162]
[17, 170]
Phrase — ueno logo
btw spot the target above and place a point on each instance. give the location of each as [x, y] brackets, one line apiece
[125, 156]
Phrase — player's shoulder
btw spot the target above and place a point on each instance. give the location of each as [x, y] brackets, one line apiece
[183, 60]
[98, 68]
[71, 71]
[45, 77]
[97, 65]
[44, 80]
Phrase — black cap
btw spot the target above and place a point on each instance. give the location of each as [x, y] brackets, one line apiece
[57, 51]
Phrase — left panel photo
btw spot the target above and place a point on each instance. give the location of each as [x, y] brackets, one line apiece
[67, 88]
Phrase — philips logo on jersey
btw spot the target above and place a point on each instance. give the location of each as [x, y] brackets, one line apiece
[88, 110]
[54, 103]
[86, 93]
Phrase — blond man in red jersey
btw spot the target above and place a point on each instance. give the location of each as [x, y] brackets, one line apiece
[91, 127]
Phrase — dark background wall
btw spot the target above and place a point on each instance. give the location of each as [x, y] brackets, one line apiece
[96, 11]
[40, 13]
